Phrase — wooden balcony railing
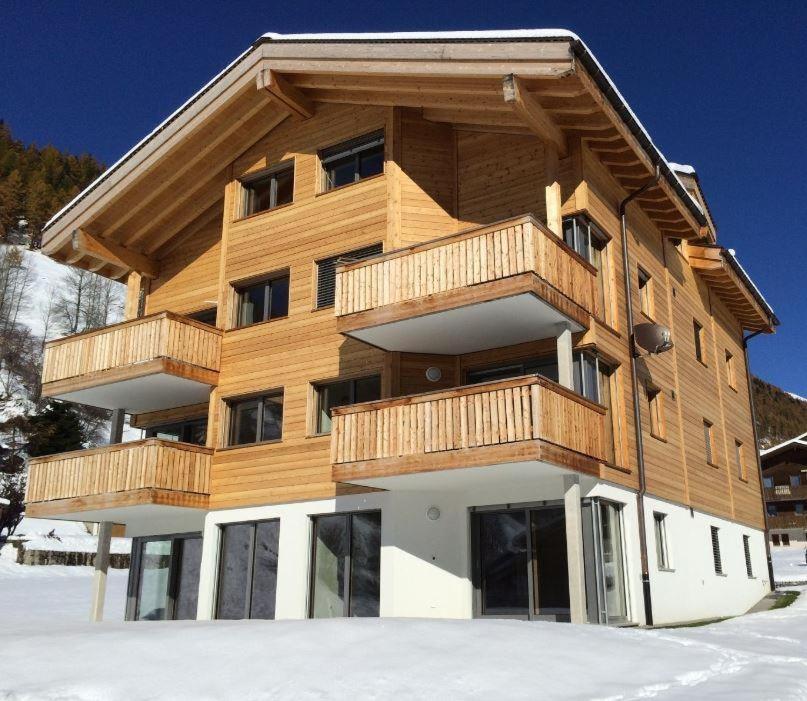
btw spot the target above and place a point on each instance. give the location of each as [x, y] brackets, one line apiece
[785, 492]
[114, 471]
[159, 337]
[788, 520]
[453, 424]
[470, 257]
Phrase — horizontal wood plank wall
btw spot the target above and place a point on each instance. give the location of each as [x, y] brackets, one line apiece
[464, 259]
[499, 176]
[163, 335]
[428, 179]
[188, 278]
[293, 352]
[487, 414]
[148, 464]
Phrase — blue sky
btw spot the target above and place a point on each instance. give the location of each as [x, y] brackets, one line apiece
[718, 84]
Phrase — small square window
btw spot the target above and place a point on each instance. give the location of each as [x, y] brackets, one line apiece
[698, 335]
[267, 190]
[353, 160]
[655, 406]
[708, 441]
[256, 420]
[264, 300]
[646, 300]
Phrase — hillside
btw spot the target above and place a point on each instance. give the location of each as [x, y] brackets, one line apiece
[780, 415]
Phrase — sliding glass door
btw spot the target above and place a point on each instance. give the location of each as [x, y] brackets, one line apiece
[248, 570]
[520, 566]
[164, 577]
[346, 565]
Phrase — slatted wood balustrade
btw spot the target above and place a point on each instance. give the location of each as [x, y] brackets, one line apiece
[464, 259]
[163, 335]
[125, 467]
[785, 492]
[788, 520]
[503, 413]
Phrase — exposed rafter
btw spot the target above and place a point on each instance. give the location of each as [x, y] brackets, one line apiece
[109, 253]
[530, 110]
[285, 94]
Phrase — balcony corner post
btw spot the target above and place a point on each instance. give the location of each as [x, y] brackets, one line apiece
[574, 548]
[565, 357]
[101, 567]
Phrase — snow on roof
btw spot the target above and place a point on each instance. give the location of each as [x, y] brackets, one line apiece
[732, 257]
[682, 168]
[468, 35]
[798, 440]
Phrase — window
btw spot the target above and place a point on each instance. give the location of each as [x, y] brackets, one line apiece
[546, 366]
[772, 509]
[586, 239]
[248, 570]
[326, 272]
[646, 293]
[346, 565]
[608, 398]
[747, 550]
[205, 316]
[662, 554]
[256, 420]
[189, 431]
[343, 393]
[730, 370]
[785, 539]
[164, 578]
[698, 335]
[716, 550]
[268, 189]
[799, 507]
[738, 456]
[775, 539]
[655, 407]
[768, 482]
[707, 439]
[795, 480]
[261, 301]
[352, 160]
[586, 375]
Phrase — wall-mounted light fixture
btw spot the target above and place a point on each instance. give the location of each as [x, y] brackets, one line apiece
[434, 374]
[433, 513]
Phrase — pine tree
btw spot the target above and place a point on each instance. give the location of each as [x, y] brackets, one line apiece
[55, 429]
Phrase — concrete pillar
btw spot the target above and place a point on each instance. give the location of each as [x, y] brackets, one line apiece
[574, 548]
[116, 426]
[101, 567]
[565, 358]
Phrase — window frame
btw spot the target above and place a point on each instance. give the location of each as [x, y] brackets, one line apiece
[738, 455]
[239, 288]
[355, 147]
[230, 402]
[709, 442]
[663, 562]
[646, 293]
[697, 329]
[271, 173]
[655, 409]
[595, 239]
[345, 255]
[731, 376]
[203, 312]
[183, 424]
[717, 558]
[749, 565]
[315, 427]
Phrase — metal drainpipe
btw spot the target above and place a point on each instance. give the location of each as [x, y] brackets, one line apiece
[637, 416]
[746, 339]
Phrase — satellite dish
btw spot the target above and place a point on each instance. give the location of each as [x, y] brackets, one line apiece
[654, 338]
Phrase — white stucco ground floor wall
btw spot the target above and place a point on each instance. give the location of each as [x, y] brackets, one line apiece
[426, 563]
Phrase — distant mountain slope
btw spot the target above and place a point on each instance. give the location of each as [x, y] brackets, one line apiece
[780, 415]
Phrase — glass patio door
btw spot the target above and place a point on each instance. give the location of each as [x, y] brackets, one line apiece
[606, 583]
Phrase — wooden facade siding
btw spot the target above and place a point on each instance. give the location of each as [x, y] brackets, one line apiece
[124, 467]
[461, 260]
[162, 335]
[495, 413]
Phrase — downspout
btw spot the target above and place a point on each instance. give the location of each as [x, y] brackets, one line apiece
[637, 416]
[746, 339]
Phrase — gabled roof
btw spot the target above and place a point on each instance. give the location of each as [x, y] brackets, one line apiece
[535, 54]
[797, 442]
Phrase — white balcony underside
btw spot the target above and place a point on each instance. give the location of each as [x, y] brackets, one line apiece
[501, 322]
[143, 519]
[142, 394]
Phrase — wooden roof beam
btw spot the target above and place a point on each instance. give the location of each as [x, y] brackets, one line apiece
[529, 109]
[285, 94]
[113, 254]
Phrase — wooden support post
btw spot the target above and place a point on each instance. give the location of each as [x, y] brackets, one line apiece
[574, 548]
[101, 567]
[116, 426]
[131, 307]
[552, 190]
[111, 253]
[565, 357]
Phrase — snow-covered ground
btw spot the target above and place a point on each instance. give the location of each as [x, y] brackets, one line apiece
[789, 565]
[66, 536]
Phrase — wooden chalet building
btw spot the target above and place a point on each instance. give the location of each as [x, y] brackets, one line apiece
[377, 332]
[784, 478]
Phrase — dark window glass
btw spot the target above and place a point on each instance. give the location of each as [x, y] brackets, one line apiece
[550, 566]
[347, 565]
[775, 539]
[190, 562]
[206, 316]
[268, 190]
[707, 439]
[799, 507]
[504, 561]
[749, 570]
[190, 431]
[768, 482]
[155, 567]
[772, 509]
[268, 299]
[586, 380]
[264, 570]
[256, 420]
[344, 393]
[716, 550]
[547, 367]
[326, 272]
[698, 335]
[353, 160]
[785, 539]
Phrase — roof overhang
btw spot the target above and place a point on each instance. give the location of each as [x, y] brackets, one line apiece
[131, 212]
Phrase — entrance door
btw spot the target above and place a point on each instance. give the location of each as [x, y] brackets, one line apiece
[520, 563]
[606, 589]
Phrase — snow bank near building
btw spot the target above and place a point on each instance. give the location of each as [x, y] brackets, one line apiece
[789, 565]
[754, 657]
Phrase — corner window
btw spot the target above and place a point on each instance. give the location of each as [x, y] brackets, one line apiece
[646, 293]
[749, 570]
[261, 301]
[662, 552]
[718, 562]
[346, 565]
[205, 316]
[738, 456]
[352, 160]
[697, 330]
[707, 440]
[326, 272]
[190, 431]
[730, 371]
[256, 420]
[267, 190]
[343, 393]
[586, 239]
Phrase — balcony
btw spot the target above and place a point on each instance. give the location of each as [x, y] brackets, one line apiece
[487, 287]
[103, 483]
[520, 426]
[787, 520]
[786, 492]
[155, 362]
